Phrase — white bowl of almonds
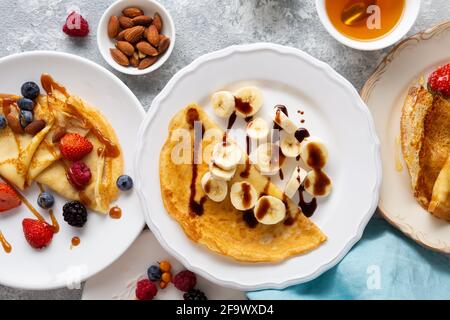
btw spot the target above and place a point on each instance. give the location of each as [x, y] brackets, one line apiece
[136, 36]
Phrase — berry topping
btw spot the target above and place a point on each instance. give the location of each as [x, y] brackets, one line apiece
[45, 200]
[76, 25]
[75, 214]
[25, 104]
[74, 147]
[154, 273]
[124, 183]
[3, 122]
[146, 290]
[25, 118]
[30, 90]
[195, 294]
[439, 81]
[184, 280]
[38, 233]
[79, 175]
[9, 199]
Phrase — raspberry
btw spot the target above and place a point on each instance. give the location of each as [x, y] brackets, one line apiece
[439, 81]
[195, 294]
[184, 280]
[76, 25]
[75, 214]
[146, 290]
[79, 175]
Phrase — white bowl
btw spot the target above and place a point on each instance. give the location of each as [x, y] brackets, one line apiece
[407, 20]
[104, 42]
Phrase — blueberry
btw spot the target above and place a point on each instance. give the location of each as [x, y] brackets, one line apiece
[46, 200]
[30, 90]
[25, 118]
[25, 104]
[124, 183]
[2, 122]
[154, 273]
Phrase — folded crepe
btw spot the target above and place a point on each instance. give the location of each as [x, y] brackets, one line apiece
[425, 134]
[221, 227]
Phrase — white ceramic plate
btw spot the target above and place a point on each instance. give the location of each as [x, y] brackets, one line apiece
[333, 110]
[103, 239]
[118, 281]
[384, 93]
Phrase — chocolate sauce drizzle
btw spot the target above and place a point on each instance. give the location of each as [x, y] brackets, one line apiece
[308, 208]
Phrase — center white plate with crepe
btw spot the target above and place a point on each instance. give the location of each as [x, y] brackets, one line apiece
[103, 239]
[332, 109]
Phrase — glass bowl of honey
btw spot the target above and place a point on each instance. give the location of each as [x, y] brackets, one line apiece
[368, 24]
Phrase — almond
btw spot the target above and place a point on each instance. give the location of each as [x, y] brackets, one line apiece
[157, 22]
[147, 48]
[134, 34]
[126, 47]
[121, 35]
[35, 127]
[126, 22]
[134, 60]
[119, 57]
[113, 26]
[132, 12]
[147, 62]
[14, 123]
[153, 35]
[164, 43]
[58, 134]
[142, 21]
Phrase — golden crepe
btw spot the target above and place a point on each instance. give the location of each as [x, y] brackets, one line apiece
[26, 158]
[219, 226]
[425, 135]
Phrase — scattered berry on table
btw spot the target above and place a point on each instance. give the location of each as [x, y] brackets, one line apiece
[124, 183]
[195, 294]
[154, 273]
[146, 290]
[3, 122]
[76, 25]
[75, 214]
[79, 175]
[184, 280]
[30, 90]
[166, 277]
[163, 284]
[38, 233]
[9, 199]
[74, 146]
[46, 200]
[439, 80]
[164, 266]
[25, 118]
[25, 104]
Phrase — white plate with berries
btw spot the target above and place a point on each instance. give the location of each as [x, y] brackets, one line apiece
[72, 254]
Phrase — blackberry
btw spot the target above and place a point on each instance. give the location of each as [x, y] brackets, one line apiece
[75, 214]
[195, 294]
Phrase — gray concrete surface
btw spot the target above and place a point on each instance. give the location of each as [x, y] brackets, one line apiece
[202, 26]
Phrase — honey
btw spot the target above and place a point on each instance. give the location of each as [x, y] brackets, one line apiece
[365, 19]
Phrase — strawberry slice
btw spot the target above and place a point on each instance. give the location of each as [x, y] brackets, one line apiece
[439, 81]
[9, 199]
[74, 147]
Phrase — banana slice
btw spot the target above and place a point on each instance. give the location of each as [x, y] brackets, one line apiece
[223, 103]
[314, 153]
[220, 174]
[317, 183]
[248, 101]
[283, 121]
[243, 195]
[215, 189]
[226, 155]
[269, 210]
[290, 146]
[267, 158]
[257, 129]
[295, 181]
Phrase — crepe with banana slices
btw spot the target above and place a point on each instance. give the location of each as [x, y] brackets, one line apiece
[425, 135]
[218, 225]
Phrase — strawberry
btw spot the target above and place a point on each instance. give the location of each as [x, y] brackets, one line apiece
[439, 81]
[74, 147]
[38, 233]
[76, 25]
[9, 198]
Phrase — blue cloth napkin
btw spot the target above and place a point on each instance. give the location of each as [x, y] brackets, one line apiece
[383, 265]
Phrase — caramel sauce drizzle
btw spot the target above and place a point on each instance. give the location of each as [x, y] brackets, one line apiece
[115, 212]
[74, 242]
[5, 244]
